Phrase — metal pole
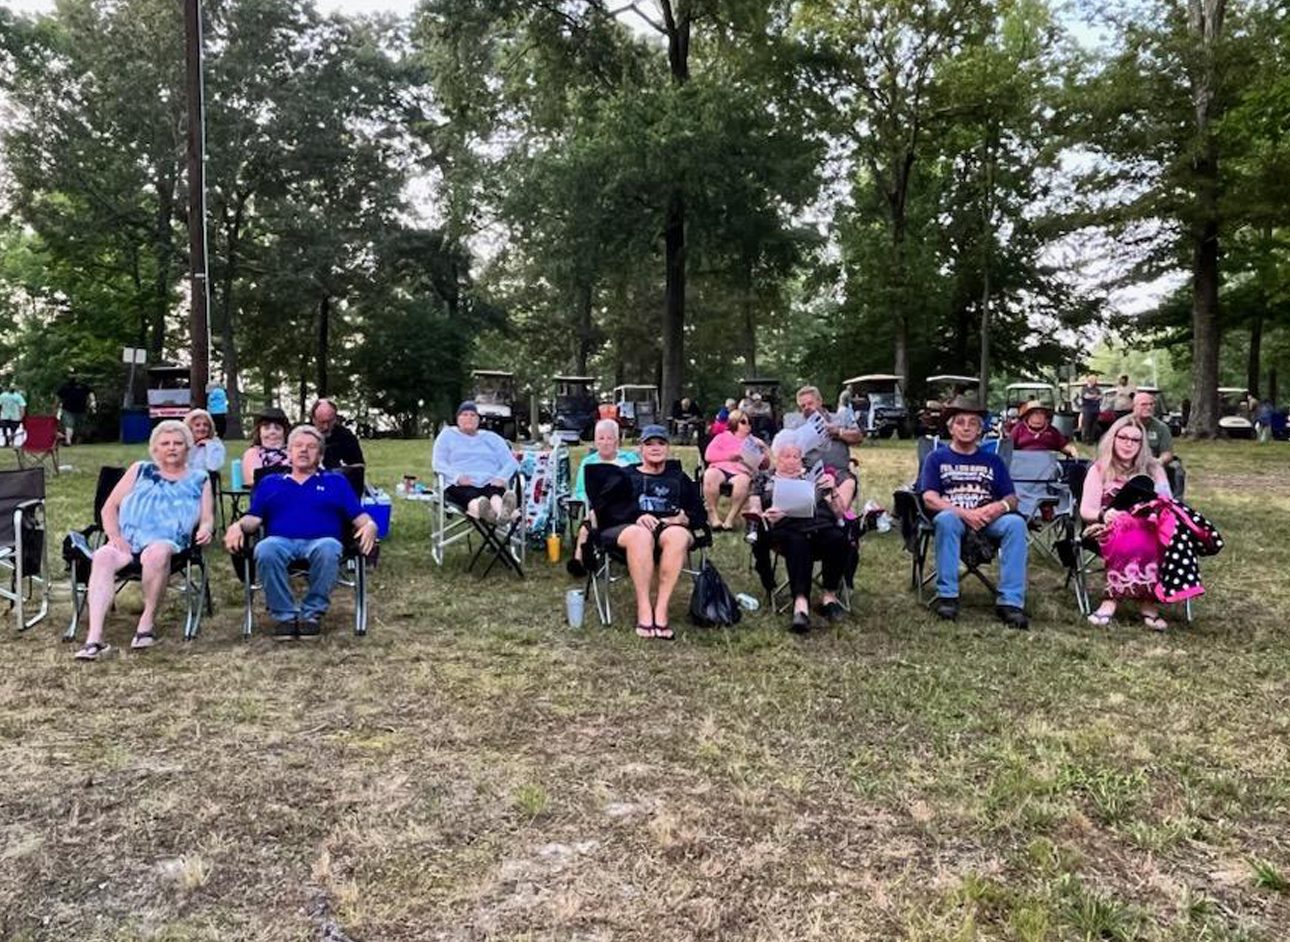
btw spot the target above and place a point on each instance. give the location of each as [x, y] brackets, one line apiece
[199, 287]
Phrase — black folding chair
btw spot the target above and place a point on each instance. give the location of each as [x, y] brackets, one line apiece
[189, 565]
[24, 550]
[611, 500]
[353, 572]
[451, 524]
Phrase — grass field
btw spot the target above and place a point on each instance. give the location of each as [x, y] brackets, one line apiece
[475, 770]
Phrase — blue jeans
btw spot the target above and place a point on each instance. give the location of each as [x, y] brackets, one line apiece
[1010, 530]
[274, 554]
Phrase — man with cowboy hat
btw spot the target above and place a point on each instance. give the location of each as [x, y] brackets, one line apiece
[968, 489]
[1034, 431]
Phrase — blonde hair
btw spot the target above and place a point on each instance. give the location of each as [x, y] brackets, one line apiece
[170, 425]
[812, 390]
[733, 417]
[200, 414]
[1143, 462]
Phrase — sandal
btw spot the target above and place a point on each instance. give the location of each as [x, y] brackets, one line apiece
[664, 633]
[1154, 622]
[644, 631]
[1099, 619]
[143, 639]
[91, 651]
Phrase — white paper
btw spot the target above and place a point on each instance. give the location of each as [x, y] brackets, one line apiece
[795, 497]
[750, 453]
[814, 434]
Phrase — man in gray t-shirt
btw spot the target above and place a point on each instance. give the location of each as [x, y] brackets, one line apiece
[835, 454]
[1157, 433]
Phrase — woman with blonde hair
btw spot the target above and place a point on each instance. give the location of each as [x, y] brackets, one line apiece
[1125, 475]
[207, 453]
[728, 462]
[148, 518]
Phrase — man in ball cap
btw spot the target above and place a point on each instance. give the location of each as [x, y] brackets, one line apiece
[477, 465]
[969, 489]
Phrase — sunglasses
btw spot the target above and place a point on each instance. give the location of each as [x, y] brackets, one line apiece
[744, 422]
[1121, 437]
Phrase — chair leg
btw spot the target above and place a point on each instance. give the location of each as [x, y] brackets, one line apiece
[360, 596]
[248, 598]
[195, 590]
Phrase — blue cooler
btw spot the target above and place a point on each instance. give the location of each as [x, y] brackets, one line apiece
[381, 514]
[135, 426]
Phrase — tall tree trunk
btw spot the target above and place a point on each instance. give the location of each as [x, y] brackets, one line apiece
[1256, 354]
[1272, 385]
[1205, 20]
[585, 300]
[750, 319]
[164, 254]
[674, 300]
[228, 330]
[897, 201]
[323, 353]
[303, 404]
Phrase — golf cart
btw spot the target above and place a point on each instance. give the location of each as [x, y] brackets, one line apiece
[574, 408]
[878, 401]
[1105, 415]
[1234, 419]
[940, 390]
[1171, 419]
[499, 409]
[1016, 395]
[761, 404]
[637, 407]
[169, 392]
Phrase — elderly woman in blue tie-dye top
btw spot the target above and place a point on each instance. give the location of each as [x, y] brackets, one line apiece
[149, 517]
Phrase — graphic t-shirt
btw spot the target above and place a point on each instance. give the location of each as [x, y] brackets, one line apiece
[966, 481]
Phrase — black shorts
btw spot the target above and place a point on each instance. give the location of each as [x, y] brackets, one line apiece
[608, 537]
[463, 494]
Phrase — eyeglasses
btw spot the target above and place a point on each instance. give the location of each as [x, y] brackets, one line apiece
[1121, 437]
[744, 422]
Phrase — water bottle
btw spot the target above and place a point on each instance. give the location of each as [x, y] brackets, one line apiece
[235, 477]
[574, 606]
[747, 602]
[553, 547]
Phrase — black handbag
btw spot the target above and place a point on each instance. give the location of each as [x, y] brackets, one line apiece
[712, 604]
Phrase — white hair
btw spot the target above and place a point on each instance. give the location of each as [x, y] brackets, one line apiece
[171, 425]
[306, 430]
[607, 424]
[785, 438]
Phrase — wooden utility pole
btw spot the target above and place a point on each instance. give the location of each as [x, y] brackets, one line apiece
[199, 286]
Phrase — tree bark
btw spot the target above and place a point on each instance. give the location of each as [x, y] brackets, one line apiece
[674, 300]
[324, 344]
[585, 302]
[164, 255]
[228, 329]
[750, 319]
[1256, 354]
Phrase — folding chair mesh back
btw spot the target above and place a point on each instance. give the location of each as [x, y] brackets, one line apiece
[1043, 496]
[23, 546]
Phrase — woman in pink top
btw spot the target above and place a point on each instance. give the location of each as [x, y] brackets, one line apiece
[728, 462]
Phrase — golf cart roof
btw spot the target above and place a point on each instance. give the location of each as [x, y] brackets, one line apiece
[1233, 389]
[626, 386]
[491, 373]
[1029, 386]
[1154, 390]
[951, 378]
[574, 379]
[759, 381]
[874, 378]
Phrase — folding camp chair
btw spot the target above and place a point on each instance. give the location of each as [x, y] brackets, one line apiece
[190, 565]
[450, 524]
[918, 530]
[40, 441]
[602, 480]
[1081, 555]
[24, 551]
[1043, 497]
[353, 564]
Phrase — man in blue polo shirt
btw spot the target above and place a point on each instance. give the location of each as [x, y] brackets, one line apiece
[969, 489]
[304, 514]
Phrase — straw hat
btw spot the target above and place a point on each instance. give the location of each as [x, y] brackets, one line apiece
[1031, 406]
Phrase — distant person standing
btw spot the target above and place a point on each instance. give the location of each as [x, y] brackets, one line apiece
[1122, 397]
[217, 406]
[74, 399]
[340, 445]
[1090, 405]
[12, 408]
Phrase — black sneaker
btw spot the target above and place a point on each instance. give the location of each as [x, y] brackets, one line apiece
[800, 624]
[833, 611]
[947, 608]
[1012, 616]
[576, 568]
[285, 631]
[310, 628]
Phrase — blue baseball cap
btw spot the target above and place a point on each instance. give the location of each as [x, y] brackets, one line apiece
[654, 431]
[468, 406]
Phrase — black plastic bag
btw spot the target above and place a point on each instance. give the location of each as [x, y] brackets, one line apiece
[712, 604]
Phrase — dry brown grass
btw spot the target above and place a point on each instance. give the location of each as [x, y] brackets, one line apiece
[474, 770]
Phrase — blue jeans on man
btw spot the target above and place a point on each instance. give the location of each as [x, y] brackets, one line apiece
[273, 556]
[1009, 530]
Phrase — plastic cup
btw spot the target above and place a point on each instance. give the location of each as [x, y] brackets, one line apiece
[553, 547]
[235, 476]
[575, 604]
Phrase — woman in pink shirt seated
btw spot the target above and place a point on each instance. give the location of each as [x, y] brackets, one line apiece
[728, 459]
[1034, 431]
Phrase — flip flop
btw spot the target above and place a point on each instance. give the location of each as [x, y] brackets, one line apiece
[91, 651]
[143, 639]
[664, 633]
[1155, 622]
[1099, 619]
[644, 631]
